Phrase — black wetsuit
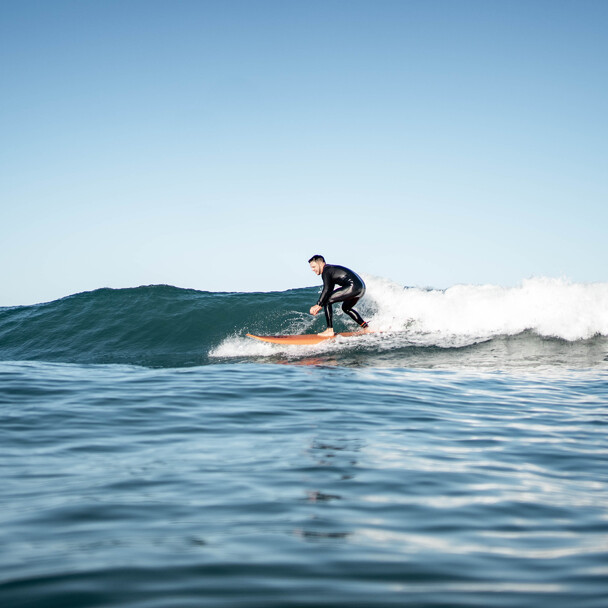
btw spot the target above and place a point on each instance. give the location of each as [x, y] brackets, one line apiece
[351, 289]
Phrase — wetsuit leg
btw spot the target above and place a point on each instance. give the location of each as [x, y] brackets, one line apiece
[329, 315]
[347, 307]
[350, 296]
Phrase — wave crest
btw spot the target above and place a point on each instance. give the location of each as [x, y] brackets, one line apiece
[465, 314]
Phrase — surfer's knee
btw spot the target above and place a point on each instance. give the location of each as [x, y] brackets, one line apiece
[348, 304]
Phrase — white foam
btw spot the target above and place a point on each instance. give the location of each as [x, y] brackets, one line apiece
[465, 314]
[455, 317]
[236, 346]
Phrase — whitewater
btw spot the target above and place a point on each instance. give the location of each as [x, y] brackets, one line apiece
[153, 456]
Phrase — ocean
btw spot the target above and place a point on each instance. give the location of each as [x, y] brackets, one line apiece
[153, 456]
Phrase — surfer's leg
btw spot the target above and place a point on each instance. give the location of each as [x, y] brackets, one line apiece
[347, 307]
[349, 296]
[329, 317]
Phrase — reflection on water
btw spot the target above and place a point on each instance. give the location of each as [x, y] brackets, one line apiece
[316, 361]
[334, 466]
[315, 536]
[315, 496]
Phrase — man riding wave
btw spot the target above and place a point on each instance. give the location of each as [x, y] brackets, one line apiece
[351, 289]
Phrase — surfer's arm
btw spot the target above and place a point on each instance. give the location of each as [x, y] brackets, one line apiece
[328, 285]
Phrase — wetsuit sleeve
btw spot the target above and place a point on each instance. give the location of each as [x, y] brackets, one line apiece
[328, 285]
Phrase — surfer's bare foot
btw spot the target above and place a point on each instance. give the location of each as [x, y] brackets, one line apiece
[328, 333]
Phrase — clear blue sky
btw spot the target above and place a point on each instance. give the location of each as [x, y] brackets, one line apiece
[218, 145]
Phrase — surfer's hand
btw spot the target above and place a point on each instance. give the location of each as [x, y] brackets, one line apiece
[315, 309]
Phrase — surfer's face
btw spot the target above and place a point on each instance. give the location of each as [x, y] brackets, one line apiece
[317, 267]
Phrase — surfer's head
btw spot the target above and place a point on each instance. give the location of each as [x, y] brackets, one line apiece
[317, 263]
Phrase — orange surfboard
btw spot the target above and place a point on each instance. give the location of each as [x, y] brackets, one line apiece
[303, 339]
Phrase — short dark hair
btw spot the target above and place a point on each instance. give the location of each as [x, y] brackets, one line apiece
[317, 258]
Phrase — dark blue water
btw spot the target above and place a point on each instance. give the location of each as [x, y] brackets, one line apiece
[150, 460]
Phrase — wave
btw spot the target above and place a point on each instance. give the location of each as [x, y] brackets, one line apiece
[164, 326]
[155, 325]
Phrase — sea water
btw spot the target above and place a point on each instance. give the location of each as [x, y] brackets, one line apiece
[153, 456]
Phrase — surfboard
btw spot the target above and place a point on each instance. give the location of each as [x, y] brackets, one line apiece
[305, 339]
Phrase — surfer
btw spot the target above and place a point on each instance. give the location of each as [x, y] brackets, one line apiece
[350, 291]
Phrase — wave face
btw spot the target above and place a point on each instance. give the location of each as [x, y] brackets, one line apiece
[542, 321]
[157, 326]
